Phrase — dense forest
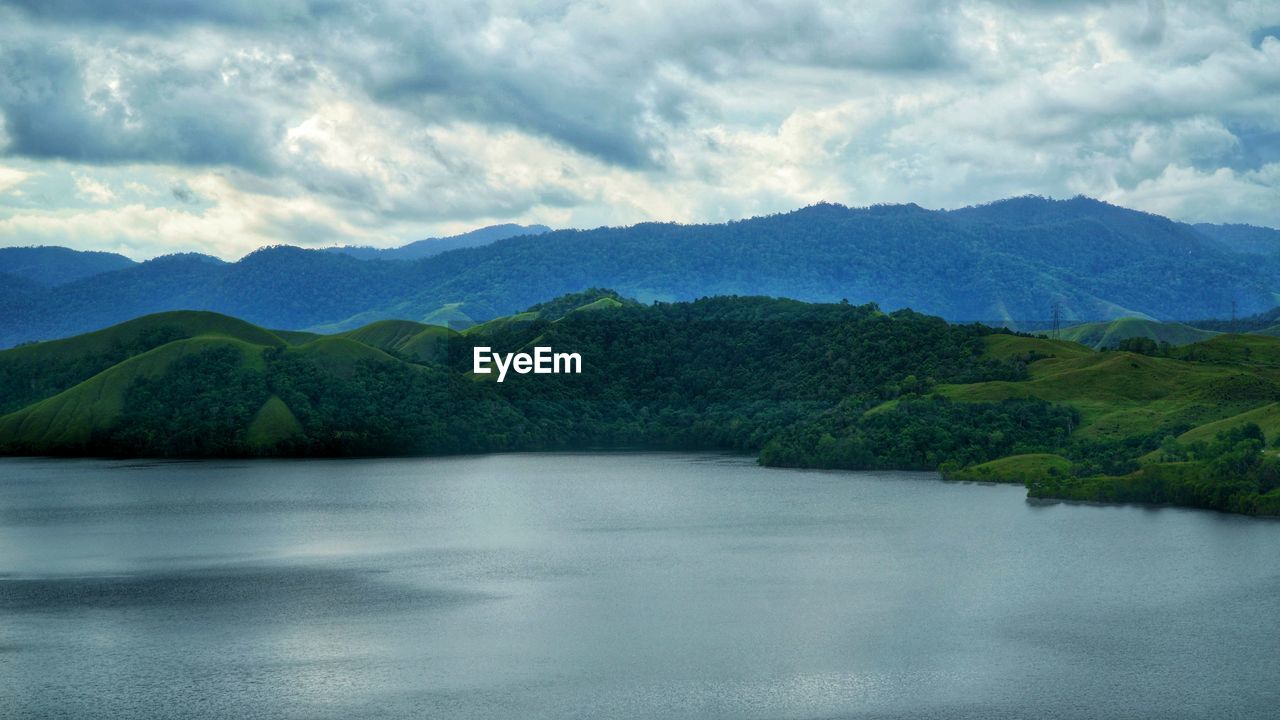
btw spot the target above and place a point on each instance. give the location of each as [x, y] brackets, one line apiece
[1006, 261]
[802, 385]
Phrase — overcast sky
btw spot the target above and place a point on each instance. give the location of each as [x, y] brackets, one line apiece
[154, 126]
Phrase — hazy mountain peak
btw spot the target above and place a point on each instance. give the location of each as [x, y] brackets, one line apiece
[434, 246]
[51, 265]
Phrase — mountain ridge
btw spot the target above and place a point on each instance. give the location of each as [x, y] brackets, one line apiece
[434, 246]
[1001, 262]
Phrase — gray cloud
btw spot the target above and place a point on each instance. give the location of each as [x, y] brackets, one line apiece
[604, 81]
[157, 113]
[159, 14]
[386, 121]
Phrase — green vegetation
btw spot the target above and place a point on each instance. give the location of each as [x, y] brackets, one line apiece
[405, 339]
[1112, 334]
[921, 434]
[802, 385]
[1230, 473]
[1019, 469]
[33, 372]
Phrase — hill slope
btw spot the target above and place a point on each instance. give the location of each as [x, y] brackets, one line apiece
[1111, 334]
[435, 246]
[1004, 261]
[809, 385]
[50, 266]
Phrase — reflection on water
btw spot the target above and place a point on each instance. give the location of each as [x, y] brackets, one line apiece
[592, 586]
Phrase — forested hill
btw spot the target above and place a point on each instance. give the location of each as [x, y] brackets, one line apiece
[57, 265]
[434, 246]
[1008, 260]
[807, 385]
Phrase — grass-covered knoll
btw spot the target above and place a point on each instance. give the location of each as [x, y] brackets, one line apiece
[72, 418]
[273, 428]
[591, 299]
[1266, 417]
[33, 372]
[1151, 429]
[450, 315]
[295, 337]
[1022, 347]
[502, 324]
[1120, 394]
[1111, 334]
[172, 325]
[1236, 349]
[1018, 469]
[1229, 472]
[405, 338]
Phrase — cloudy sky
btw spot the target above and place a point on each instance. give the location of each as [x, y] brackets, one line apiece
[154, 126]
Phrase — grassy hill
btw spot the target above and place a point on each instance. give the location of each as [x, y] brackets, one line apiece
[406, 338]
[32, 372]
[1111, 334]
[1122, 394]
[1013, 469]
[804, 385]
[1254, 350]
[72, 417]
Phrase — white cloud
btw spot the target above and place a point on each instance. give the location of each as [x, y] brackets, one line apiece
[92, 190]
[11, 178]
[243, 126]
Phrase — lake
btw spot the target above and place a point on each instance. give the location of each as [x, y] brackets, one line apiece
[615, 586]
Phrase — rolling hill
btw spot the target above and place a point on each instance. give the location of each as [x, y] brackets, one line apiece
[1111, 334]
[807, 385]
[1001, 262]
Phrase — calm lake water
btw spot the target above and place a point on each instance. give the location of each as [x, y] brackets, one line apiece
[628, 586]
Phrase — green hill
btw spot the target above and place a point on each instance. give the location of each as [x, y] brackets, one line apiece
[449, 315]
[172, 325]
[1008, 347]
[1013, 469]
[32, 372]
[70, 419]
[416, 341]
[1111, 334]
[274, 428]
[1266, 417]
[1260, 350]
[802, 385]
[1121, 394]
[295, 337]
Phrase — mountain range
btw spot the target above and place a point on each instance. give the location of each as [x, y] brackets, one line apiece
[1003, 262]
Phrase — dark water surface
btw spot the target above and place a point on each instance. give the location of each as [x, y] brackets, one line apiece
[628, 586]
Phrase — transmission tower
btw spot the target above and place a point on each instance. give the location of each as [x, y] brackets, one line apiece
[1057, 319]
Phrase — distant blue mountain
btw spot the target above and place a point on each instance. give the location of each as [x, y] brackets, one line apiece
[1244, 239]
[50, 265]
[435, 246]
[1005, 261]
